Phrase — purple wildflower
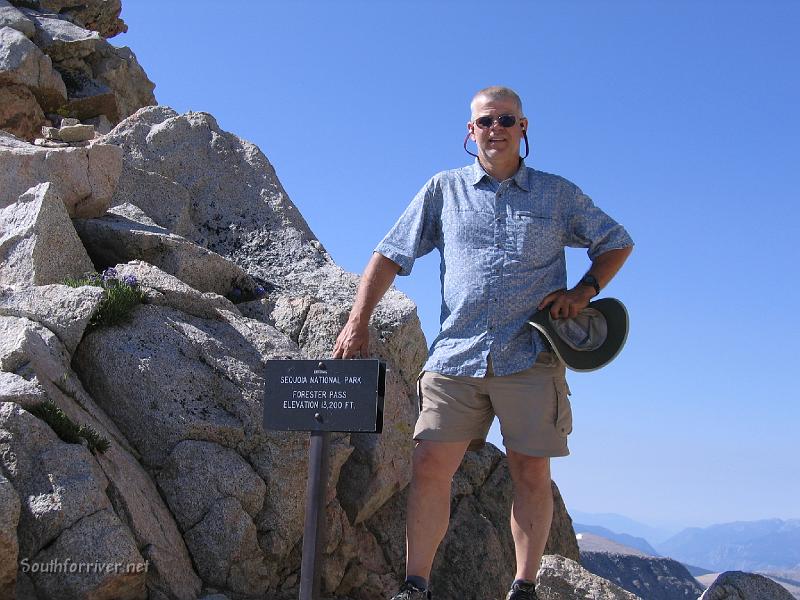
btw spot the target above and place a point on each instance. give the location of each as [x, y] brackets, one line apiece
[260, 291]
[110, 273]
[130, 280]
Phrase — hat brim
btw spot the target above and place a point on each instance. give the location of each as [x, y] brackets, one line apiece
[616, 316]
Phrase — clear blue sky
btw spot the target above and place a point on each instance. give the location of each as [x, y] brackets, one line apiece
[680, 119]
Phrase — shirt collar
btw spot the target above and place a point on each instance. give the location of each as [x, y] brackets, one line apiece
[520, 177]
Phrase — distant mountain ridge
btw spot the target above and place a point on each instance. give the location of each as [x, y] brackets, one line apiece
[622, 524]
[625, 539]
[769, 544]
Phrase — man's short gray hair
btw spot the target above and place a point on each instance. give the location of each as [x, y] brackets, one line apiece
[496, 92]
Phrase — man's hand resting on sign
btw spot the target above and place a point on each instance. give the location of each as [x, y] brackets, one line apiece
[353, 342]
[566, 304]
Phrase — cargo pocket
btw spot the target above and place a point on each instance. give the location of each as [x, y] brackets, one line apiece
[563, 408]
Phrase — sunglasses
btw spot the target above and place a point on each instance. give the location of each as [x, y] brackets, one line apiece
[502, 120]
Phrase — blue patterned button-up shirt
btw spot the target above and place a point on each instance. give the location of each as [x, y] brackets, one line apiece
[502, 251]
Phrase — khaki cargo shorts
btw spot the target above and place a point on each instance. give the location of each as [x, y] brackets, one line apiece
[532, 406]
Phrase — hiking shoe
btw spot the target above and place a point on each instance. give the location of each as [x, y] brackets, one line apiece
[522, 591]
[411, 592]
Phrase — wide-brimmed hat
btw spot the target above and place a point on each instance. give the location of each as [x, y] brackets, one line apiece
[589, 341]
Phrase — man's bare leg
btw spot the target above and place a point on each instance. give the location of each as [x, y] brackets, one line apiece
[531, 512]
[428, 514]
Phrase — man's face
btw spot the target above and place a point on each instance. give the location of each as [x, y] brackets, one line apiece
[497, 142]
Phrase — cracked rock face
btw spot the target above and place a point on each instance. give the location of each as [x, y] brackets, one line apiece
[64, 506]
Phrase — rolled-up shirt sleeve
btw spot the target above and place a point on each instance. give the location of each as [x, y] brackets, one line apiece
[590, 227]
[414, 233]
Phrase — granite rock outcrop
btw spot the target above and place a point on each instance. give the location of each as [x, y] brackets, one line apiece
[55, 62]
[193, 496]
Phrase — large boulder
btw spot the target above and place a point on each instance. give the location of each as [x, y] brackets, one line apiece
[561, 578]
[210, 372]
[83, 177]
[256, 225]
[738, 585]
[38, 243]
[23, 63]
[654, 578]
[207, 371]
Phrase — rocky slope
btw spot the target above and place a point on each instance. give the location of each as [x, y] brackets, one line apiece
[192, 485]
[192, 495]
[55, 62]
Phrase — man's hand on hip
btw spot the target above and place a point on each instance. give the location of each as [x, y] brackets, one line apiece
[566, 304]
[353, 342]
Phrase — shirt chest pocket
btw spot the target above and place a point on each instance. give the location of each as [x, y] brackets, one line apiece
[537, 237]
[463, 229]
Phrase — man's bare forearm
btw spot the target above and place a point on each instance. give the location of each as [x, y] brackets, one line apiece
[567, 303]
[378, 275]
[377, 278]
[606, 265]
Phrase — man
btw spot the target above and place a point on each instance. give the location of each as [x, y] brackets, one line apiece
[501, 229]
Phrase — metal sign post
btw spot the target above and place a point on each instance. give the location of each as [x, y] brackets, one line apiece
[320, 397]
[314, 528]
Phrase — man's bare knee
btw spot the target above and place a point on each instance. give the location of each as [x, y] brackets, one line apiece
[530, 472]
[437, 460]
